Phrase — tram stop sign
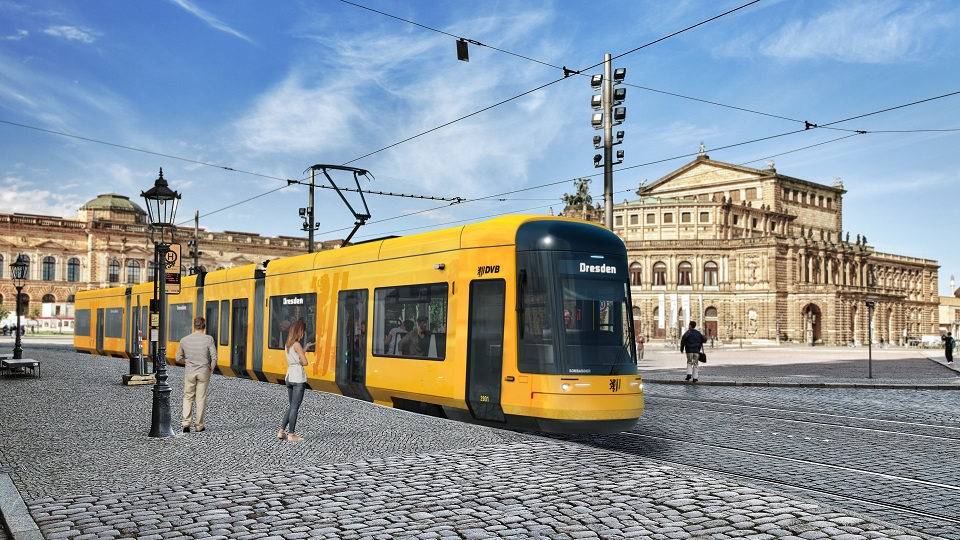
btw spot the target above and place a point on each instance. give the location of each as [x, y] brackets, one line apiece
[172, 269]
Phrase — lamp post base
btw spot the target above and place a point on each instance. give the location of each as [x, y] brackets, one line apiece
[160, 419]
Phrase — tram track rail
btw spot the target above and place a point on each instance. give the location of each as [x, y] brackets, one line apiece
[954, 431]
[902, 509]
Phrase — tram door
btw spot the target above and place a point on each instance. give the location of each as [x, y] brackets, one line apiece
[238, 338]
[100, 328]
[351, 372]
[485, 349]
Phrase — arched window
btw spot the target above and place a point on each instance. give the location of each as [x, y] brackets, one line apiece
[48, 299]
[113, 272]
[133, 272]
[49, 268]
[710, 274]
[635, 274]
[73, 269]
[660, 274]
[685, 274]
[710, 312]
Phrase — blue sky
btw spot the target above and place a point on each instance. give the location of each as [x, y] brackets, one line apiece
[273, 88]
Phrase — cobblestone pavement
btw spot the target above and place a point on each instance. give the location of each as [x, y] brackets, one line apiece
[75, 444]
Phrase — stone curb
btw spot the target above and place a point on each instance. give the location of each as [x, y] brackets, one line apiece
[14, 514]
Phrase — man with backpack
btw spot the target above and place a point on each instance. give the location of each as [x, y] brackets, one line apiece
[692, 342]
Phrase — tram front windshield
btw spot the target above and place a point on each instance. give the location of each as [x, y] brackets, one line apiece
[575, 315]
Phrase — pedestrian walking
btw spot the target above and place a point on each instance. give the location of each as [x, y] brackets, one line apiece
[198, 354]
[295, 380]
[640, 341]
[948, 344]
[692, 343]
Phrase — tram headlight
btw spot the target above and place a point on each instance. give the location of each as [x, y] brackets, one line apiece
[564, 387]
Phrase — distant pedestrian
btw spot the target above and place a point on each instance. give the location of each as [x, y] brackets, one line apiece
[640, 342]
[948, 344]
[198, 353]
[692, 342]
[295, 380]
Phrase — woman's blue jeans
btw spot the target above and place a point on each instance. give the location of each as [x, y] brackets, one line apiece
[295, 394]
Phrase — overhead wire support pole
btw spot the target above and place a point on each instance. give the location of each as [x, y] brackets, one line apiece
[310, 224]
[361, 218]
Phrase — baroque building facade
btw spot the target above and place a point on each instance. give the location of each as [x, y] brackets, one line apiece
[756, 256]
[107, 245]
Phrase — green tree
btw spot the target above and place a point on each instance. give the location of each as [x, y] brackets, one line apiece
[3, 312]
[581, 195]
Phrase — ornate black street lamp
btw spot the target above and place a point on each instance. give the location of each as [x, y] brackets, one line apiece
[19, 271]
[161, 211]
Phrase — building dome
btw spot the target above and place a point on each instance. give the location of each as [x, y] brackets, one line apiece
[112, 207]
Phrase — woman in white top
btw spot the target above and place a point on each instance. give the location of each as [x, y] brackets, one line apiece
[296, 380]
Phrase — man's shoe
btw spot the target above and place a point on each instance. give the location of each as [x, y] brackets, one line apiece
[201, 430]
[688, 378]
[186, 429]
[695, 380]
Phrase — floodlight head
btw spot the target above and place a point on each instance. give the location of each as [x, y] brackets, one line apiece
[620, 136]
[620, 114]
[619, 74]
[619, 94]
[619, 154]
[596, 101]
[596, 141]
[303, 212]
[596, 159]
[597, 120]
[596, 81]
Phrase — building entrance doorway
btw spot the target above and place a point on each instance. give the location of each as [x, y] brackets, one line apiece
[812, 321]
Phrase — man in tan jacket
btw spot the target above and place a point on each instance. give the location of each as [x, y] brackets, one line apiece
[198, 354]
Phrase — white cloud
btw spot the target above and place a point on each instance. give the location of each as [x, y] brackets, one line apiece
[209, 19]
[872, 32]
[20, 34]
[18, 196]
[72, 33]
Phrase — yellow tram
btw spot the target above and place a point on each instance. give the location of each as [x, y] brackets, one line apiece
[467, 323]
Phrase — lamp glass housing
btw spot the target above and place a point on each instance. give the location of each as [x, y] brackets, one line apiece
[620, 114]
[619, 94]
[18, 270]
[161, 203]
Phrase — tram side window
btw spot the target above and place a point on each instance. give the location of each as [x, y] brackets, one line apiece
[82, 322]
[287, 309]
[180, 321]
[224, 322]
[113, 323]
[411, 321]
[211, 313]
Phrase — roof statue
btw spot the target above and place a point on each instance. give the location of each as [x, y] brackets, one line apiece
[702, 153]
[770, 165]
[837, 182]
